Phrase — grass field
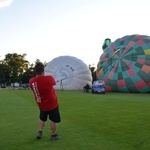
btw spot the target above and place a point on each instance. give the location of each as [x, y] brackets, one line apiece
[111, 121]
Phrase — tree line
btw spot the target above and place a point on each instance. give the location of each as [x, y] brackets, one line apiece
[15, 68]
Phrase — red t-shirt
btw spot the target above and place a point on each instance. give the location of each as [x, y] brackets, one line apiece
[44, 93]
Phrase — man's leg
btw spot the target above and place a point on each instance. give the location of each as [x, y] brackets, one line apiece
[41, 126]
[53, 127]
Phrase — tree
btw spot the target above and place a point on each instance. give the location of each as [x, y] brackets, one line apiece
[28, 74]
[14, 67]
[2, 75]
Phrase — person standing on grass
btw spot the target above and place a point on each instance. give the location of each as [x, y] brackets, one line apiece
[46, 99]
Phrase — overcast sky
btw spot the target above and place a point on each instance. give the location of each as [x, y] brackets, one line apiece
[46, 29]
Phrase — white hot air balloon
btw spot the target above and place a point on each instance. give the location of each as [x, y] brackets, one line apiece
[70, 73]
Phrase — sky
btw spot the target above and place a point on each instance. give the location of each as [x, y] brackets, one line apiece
[47, 29]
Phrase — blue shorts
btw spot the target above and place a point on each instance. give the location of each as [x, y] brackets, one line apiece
[54, 115]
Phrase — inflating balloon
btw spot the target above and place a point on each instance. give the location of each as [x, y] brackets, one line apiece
[125, 65]
[70, 73]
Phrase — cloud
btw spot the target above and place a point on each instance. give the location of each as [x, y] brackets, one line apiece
[5, 3]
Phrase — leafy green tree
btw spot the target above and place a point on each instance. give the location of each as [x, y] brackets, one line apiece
[2, 75]
[28, 74]
[15, 66]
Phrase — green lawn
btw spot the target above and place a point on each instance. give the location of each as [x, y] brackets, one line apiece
[111, 121]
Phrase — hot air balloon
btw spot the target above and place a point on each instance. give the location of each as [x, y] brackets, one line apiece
[70, 73]
[125, 65]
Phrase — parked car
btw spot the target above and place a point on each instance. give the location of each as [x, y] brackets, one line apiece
[98, 87]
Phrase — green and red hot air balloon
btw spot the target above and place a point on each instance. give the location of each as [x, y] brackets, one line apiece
[125, 65]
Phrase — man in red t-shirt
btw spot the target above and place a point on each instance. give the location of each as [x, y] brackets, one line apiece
[46, 99]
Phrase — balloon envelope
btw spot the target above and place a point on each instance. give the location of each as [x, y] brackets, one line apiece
[125, 64]
[70, 73]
